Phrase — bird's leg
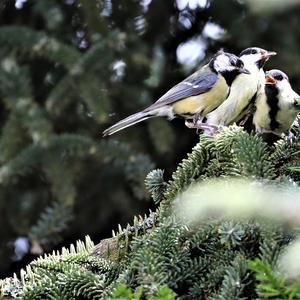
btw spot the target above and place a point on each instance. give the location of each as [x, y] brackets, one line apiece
[290, 137]
[243, 121]
[250, 112]
[197, 118]
[259, 130]
[208, 129]
[189, 124]
[199, 125]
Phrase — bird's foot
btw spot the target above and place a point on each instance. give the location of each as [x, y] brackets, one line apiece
[290, 137]
[244, 120]
[260, 130]
[189, 124]
[211, 130]
[197, 118]
[208, 129]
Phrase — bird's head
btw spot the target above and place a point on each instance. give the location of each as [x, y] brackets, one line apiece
[276, 79]
[256, 56]
[228, 62]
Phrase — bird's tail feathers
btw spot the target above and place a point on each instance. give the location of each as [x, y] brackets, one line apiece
[129, 121]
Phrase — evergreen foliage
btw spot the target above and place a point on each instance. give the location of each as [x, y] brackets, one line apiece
[59, 76]
[159, 257]
[155, 184]
[69, 69]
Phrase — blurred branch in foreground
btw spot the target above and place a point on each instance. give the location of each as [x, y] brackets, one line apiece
[240, 199]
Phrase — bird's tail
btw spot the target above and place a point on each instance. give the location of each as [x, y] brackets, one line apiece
[129, 121]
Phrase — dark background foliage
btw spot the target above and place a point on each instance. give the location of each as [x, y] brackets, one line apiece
[69, 69]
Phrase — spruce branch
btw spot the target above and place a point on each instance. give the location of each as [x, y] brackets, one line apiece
[38, 43]
[50, 226]
[156, 185]
[84, 71]
[252, 154]
[189, 168]
[234, 285]
[161, 254]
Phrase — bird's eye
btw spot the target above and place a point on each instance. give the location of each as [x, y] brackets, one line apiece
[253, 51]
[239, 64]
[278, 77]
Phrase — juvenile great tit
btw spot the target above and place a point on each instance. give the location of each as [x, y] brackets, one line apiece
[195, 96]
[244, 89]
[278, 106]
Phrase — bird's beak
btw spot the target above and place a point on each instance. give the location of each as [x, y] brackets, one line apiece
[266, 55]
[244, 70]
[297, 103]
[270, 80]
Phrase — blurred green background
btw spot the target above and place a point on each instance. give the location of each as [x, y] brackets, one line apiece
[69, 69]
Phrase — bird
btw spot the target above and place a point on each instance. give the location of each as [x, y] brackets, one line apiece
[278, 107]
[194, 97]
[243, 91]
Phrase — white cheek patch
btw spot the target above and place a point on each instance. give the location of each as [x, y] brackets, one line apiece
[222, 63]
[285, 90]
[250, 58]
[284, 85]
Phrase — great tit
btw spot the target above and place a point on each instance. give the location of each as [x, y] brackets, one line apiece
[243, 90]
[194, 97]
[278, 106]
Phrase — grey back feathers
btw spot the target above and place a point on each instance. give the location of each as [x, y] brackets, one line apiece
[199, 83]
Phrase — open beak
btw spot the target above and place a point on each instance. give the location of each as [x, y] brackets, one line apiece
[270, 80]
[266, 55]
[244, 70]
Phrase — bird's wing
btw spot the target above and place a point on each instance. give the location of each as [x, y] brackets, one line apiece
[198, 83]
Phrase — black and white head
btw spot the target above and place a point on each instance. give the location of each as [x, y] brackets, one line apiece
[278, 81]
[224, 62]
[256, 56]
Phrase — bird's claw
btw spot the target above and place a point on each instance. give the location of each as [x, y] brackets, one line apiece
[189, 124]
[290, 137]
[208, 129]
